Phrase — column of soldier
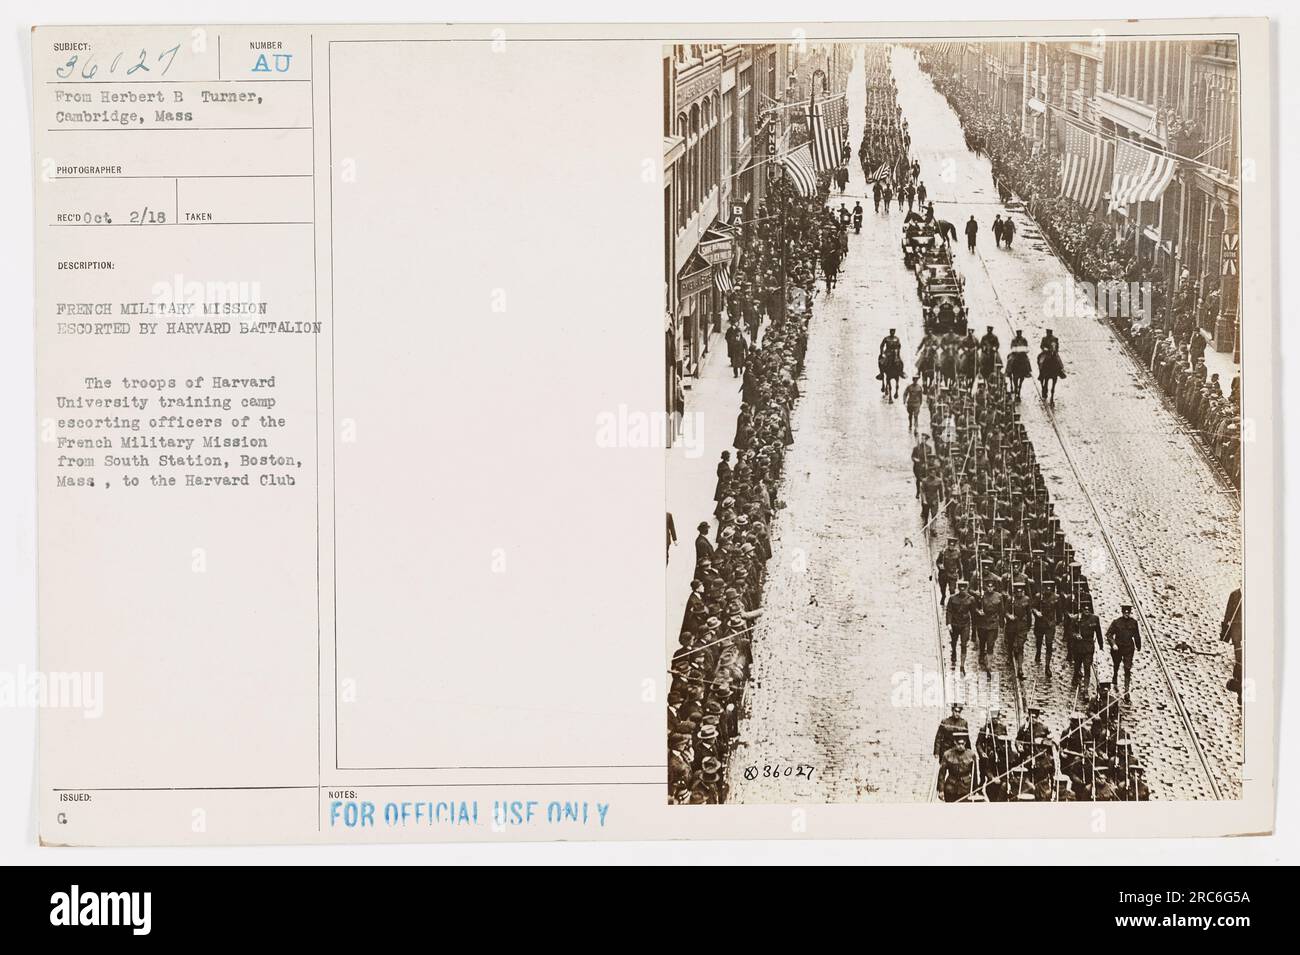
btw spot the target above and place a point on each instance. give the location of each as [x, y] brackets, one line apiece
[885, 141]
[1007, 570]
[710, 669]
[981, 473]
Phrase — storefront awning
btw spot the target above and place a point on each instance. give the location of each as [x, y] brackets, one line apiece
[674, 147]
[695, 277]
[717, 245]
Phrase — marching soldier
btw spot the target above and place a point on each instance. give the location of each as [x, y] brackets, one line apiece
[1124, 640]
[950, 727]
[913, 396]
[949, 568]
[958, 615]
[988, 614]
[1042, 767]
[957, 769]
[1103, 790]
[922, 458]
[993, 748]
[1019, 611]
[1138, 790]
[1032, 728]
[1084, 629]
[1064, 788]
[931, 495]
[1046, 611]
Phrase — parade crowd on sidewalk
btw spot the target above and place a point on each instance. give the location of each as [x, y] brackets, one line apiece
[774, 291]
[1088, 246]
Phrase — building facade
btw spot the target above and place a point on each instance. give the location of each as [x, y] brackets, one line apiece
[1175, 98]
[717, 119]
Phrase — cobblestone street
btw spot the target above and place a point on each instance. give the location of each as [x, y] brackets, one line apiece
[849, 673]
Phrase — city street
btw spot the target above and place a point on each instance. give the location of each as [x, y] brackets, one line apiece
[849, 676]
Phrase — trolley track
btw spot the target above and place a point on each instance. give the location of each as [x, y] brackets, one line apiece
[1175, 696]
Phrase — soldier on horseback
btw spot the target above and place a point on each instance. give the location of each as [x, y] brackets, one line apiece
[990, 353]
[1050, 368]
[890, 362]
[1018, 363]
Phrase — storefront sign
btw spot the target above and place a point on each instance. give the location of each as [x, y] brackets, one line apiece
[716, 250]
[697, 86]
[1231, 242]
[695, 283]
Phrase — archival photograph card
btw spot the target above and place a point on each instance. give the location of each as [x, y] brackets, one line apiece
[370, 358]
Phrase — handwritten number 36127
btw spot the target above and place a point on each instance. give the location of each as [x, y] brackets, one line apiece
[89, 68]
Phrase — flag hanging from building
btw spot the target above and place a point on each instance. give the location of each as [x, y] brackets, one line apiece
[1084, 166]
[827, 140]
[835, 111]
[1140, 175]
[799, 167]
[722, 279]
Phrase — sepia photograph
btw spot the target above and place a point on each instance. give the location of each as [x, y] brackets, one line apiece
[953, 363]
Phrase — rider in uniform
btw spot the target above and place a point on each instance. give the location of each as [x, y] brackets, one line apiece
[1049, 342]
[990, 340]
[1018, 357]
[890, 345]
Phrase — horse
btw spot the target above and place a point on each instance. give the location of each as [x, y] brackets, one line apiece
[1017, 371]
[966, 366]
[1050, 368]
[891, 371]
[925, 365]
[948, 364]
[989, 362]
[947, 231]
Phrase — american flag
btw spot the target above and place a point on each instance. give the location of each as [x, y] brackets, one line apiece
[722, 279]
[835, 111]
[799, 167]
[827, 140]
[1140, 175]
[1084, 166]
[881, 173]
